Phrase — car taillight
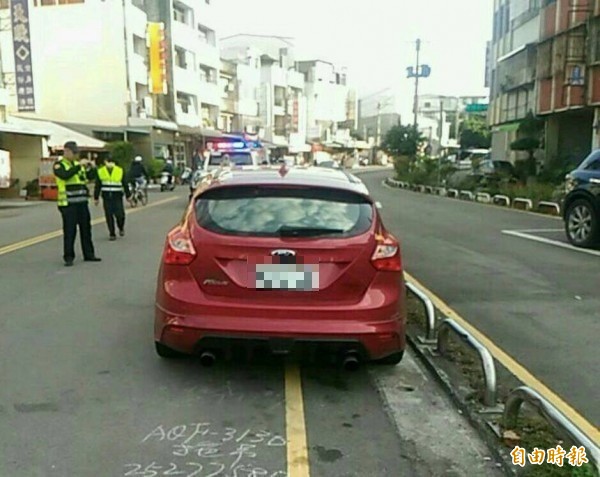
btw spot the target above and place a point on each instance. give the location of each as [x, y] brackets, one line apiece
[386, 257]
[179, 249]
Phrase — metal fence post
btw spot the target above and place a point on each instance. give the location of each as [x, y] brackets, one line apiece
[487, 361]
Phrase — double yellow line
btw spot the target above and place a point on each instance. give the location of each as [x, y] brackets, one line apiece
[13, 247]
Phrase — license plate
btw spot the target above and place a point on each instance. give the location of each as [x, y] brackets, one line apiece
[287, 277]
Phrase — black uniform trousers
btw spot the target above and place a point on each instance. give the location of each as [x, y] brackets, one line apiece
[114, 209]
[73, 216]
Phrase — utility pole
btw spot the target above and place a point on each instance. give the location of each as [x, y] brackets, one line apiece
[378, 135]
[416, 103]
[439, 164]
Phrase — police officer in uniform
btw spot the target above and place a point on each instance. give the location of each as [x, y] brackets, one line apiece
[72, 177]
[111, 182]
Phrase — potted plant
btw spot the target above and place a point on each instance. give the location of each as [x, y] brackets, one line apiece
[33, 189]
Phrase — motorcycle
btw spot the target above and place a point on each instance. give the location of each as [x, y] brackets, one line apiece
[186, 176]
[164, 182]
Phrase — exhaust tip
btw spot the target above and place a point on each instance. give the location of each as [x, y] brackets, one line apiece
[207, 359]
[351, 362]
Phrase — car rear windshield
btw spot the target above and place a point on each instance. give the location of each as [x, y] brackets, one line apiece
[280, 211]
[236, 159]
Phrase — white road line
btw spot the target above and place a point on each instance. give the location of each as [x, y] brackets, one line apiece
[539, 230]
[556, 243]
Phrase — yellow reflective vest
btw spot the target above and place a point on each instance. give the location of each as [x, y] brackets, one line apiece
[112, 181]
[74, 189]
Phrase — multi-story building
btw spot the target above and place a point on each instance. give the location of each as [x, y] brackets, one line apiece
[377, 114]
[568, 77]
[240, 78]
[95, 69]
[282, 108]
[331, 104]
[512, 58]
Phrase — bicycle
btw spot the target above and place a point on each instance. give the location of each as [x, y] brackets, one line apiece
[140, 194]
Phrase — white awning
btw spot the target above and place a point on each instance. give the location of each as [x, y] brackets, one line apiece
[57, 135]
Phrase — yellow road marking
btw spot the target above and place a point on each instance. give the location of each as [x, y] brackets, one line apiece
[513, 366]
[13, 247]
[297, 450]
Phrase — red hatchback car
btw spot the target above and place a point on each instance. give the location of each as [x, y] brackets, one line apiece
[286, 260]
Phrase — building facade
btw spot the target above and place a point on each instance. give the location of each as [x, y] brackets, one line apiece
[512, 60]
[568, 78]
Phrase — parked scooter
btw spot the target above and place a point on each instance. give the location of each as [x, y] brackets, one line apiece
[164, 182]
[186, 176]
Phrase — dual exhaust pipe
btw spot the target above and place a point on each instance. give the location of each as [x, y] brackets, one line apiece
[350, 361]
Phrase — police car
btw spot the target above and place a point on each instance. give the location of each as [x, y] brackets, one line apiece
[224, 156]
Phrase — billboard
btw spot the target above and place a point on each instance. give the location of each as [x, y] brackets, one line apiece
[158, 58]
[19, 13]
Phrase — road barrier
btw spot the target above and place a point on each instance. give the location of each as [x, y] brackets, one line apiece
[428, 190]
[429, 311]
[487, 361]
[441, 191]
[563, 426]
[453, 193]
[466, 194]
[527, 203]
[483, 197]
[501, 200]
[549, 205]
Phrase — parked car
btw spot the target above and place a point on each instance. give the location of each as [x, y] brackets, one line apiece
[284, 259]
[581, 205]
[488, 172]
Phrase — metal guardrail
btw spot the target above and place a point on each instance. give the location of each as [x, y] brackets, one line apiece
[552, 205]
[483, 197]
[429, 310]
[441, 191]
[499, 199]
[453, 193]
[521, 200]
[487, 361]
[564, 427]
[466, 193]
[428, 190]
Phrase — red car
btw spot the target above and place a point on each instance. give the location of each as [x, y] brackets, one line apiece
[288, 260]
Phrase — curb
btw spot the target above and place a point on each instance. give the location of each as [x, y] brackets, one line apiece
[480, 425]
[544, 208]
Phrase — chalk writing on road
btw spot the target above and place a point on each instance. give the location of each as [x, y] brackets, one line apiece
[205, 451]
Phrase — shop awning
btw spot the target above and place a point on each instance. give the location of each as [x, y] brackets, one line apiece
[14, 126]
[506, 127]
[58, 135]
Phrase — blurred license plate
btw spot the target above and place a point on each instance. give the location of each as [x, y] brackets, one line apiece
[287, 277]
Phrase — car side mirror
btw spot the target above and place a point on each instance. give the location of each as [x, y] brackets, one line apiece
[378, 205]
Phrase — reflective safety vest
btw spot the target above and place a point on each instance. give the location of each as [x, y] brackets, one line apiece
[112, 181]
[73, 190]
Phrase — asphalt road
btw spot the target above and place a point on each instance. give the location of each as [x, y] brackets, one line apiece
[537, 301]
[83, 394]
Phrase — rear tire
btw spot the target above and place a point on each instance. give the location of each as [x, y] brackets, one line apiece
[582, 224]
[166, 352]
[392, 359]
[144, 199]
[133, 202]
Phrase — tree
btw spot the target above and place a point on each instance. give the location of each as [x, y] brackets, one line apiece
[475, 133]
[530, 134]
[402, 141]
[122, 152]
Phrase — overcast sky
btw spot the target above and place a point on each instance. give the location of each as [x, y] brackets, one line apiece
[375, 38]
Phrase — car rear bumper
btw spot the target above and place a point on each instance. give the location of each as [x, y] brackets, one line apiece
[374, 334]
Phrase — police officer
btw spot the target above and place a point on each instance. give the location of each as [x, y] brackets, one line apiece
[111, 182]
[72, 177]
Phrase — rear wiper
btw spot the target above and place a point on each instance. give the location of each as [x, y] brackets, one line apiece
[291, 231]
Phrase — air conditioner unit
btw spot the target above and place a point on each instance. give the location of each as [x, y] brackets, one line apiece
[231, 87]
